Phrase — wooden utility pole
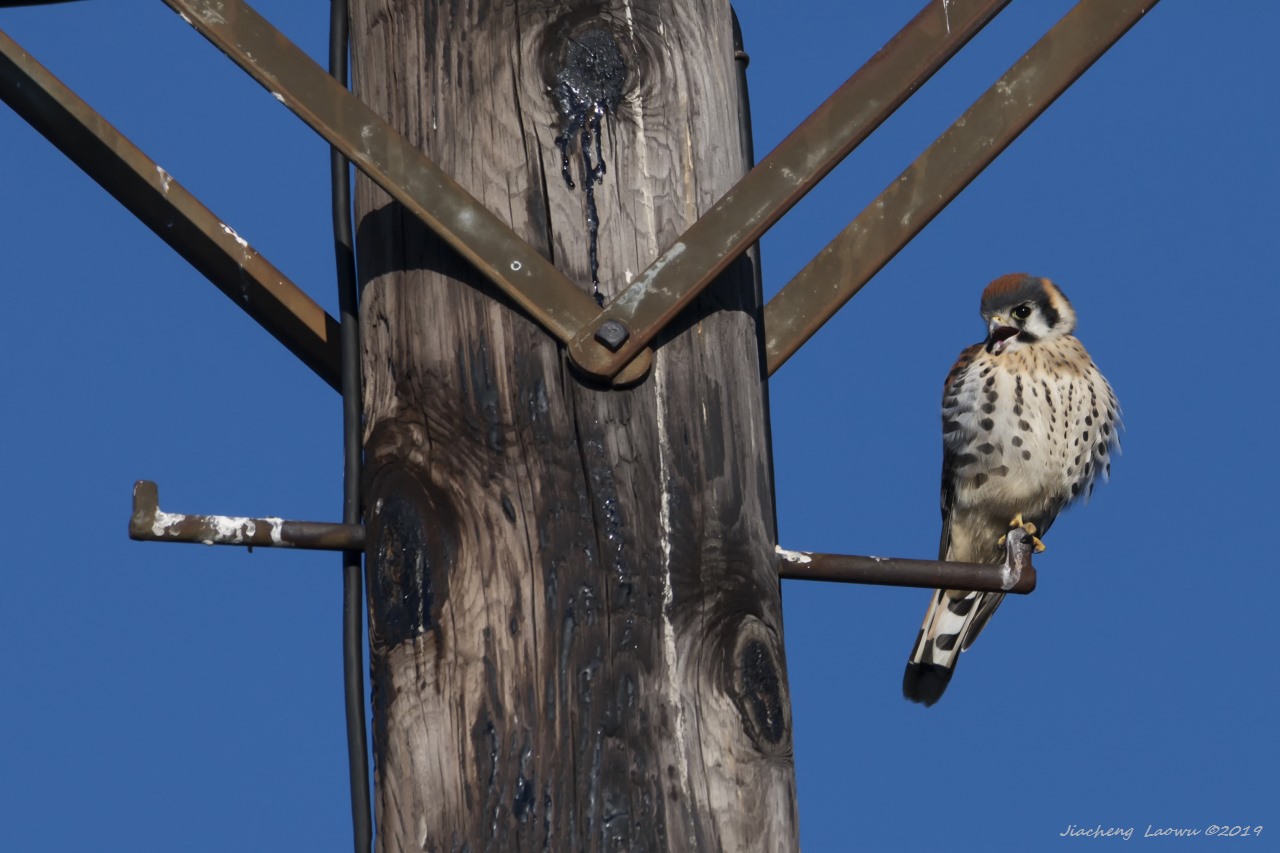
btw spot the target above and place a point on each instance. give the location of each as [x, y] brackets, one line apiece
[575, 615]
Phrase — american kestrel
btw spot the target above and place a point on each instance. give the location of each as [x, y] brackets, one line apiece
[1028, 426]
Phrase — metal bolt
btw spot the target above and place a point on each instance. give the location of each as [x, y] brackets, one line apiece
[612, 334]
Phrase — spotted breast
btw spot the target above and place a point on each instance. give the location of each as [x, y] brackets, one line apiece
[1024, 432]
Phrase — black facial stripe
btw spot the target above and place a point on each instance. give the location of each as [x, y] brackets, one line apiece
[1026, 337]
[1051, 315]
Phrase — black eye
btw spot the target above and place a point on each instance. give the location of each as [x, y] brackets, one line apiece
[1022, 312]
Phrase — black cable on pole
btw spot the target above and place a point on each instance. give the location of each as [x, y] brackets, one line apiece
[741, 60]
[352, 582]
[11, 4]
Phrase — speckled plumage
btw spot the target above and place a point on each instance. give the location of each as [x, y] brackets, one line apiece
[1029, 425]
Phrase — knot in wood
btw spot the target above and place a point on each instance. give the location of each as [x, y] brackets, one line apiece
[408, 549]
[759, 688]
[590, 79]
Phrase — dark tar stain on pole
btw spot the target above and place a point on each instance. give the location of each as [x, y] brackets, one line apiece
[588, 88]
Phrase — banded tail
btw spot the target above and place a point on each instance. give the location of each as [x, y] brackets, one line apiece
[950, 626]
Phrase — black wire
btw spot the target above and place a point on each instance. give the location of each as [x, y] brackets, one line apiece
[352, 583]
[13, 4]
[741, 61]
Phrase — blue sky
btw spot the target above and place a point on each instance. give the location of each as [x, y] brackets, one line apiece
[163, 697]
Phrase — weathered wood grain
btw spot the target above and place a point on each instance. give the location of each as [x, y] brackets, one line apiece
[575, 614]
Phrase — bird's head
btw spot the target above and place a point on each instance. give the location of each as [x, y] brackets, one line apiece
[1021, 310]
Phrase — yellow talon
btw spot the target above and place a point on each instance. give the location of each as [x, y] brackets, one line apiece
[1027, 526]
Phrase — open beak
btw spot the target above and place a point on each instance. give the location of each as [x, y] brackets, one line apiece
[999, 335]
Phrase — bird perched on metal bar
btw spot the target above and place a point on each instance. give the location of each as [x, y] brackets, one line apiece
[1028, 427]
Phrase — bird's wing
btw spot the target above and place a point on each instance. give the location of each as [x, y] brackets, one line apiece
[950, 452]
[954, 616]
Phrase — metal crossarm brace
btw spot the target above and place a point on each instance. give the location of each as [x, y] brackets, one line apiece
[169, 210]
[396, 165]
[600, 342]
[780, 180]
[943, 171]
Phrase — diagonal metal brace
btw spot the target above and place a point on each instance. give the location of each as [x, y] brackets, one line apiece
[396, 165]
[1016, 575]
[168, 209]
[943, 171]
[152, 524]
